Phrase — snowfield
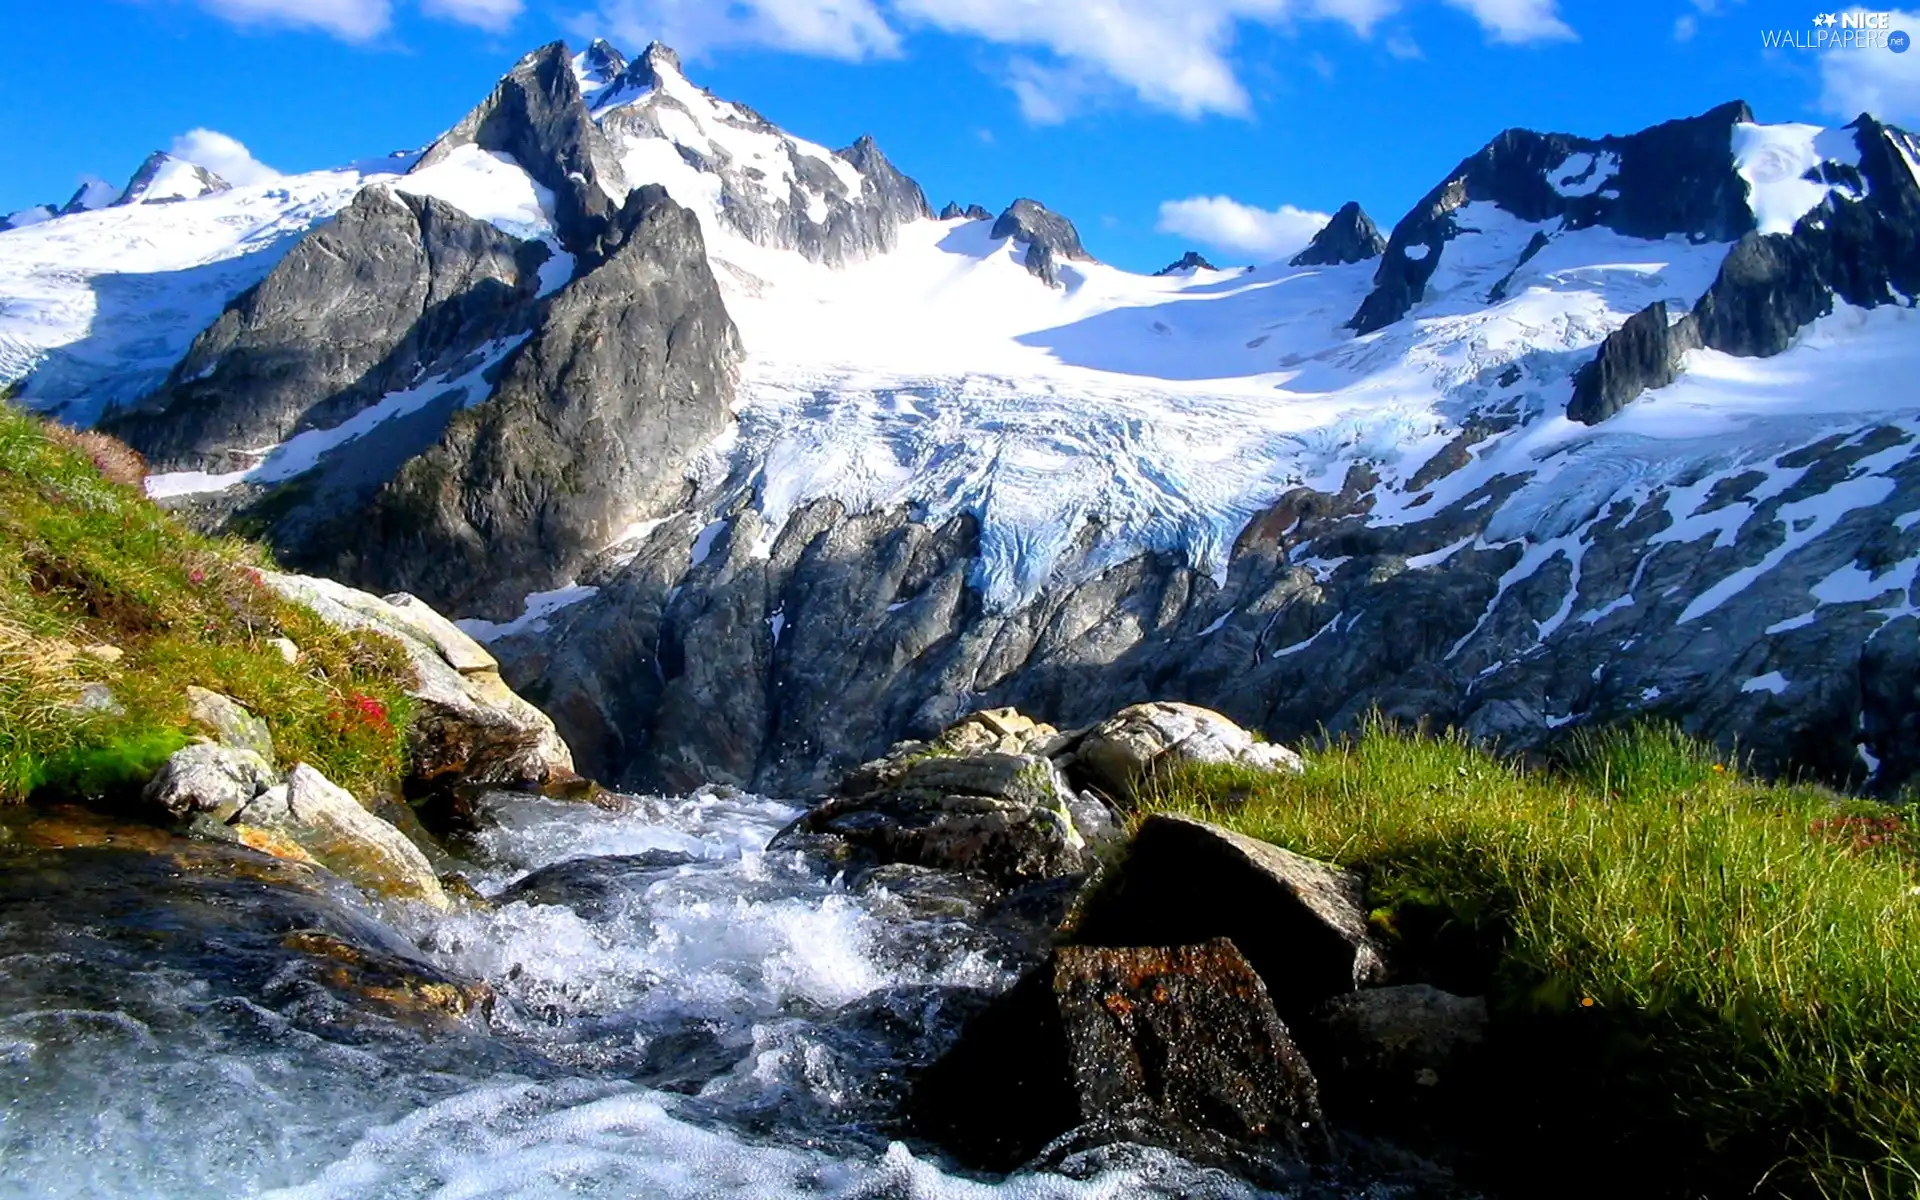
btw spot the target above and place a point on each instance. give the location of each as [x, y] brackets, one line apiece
[1167, 410]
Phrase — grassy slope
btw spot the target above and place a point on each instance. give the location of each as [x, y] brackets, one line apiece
[1713, 969]
[85, 562]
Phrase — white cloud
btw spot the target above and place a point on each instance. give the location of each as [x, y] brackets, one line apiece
[493, 15]
[1517, 21]
[224, 156]
[1227, 224]
[847, 29]
[1873, 80]
[1685, 26]
[1402, 45]
[353, 20]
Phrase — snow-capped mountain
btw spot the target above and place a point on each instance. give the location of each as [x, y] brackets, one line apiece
[751, 466]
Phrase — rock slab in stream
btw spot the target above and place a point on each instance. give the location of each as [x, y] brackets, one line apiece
[326, 821]
[1301, 923]
[1008, 817]
[1178, 1045]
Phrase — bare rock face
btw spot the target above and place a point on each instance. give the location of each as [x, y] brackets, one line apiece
[471, 728]
[329, 824]
[1301, 923]
[1643, 353]
[590, 428]
[1176, 1046]
[393, 288]
[1123, 752]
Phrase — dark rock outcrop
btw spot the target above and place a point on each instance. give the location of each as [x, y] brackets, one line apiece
[1350, 237]
[1674, 178]
[393, 289]
[1300, 922]
[1192, 260]
[1643, 353]
[1048, 237]
[972, 212]
[1179, 1047]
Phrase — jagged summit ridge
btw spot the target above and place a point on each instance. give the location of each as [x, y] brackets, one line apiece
[1676, 178]
[1350, 237]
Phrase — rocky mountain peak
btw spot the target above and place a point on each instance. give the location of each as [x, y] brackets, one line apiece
[1350, 237]
[899, 195]
[599, 64]
[972, 212]
[1192, 260]
[90, 195]
[538, 115]
[163, 178]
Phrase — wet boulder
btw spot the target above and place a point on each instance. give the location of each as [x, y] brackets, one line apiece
[209, 778]
[1119, 754]
[1301, 923]
[1178, 1046]
[326, 821]
[1007, 817]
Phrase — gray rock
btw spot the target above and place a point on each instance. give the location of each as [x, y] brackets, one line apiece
[98, 699]
[1643, 353]
[1300, 922]
[210, 778]
[1350, 237]
[471, 728]
[329, 824]
[536, 115]
[1128, 749]
[1006, 817]
[230, 722]
[972, 212]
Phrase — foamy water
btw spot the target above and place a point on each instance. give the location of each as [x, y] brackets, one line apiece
[714, 1020]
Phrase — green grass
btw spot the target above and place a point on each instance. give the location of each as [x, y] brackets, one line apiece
[86, 562]
[1715, 977]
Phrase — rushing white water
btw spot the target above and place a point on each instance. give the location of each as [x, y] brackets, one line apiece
[696, 1017]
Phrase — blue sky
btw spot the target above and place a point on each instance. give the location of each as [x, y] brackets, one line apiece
[1155, 124]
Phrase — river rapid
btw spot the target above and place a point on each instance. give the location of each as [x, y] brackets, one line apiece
[677, 1012]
